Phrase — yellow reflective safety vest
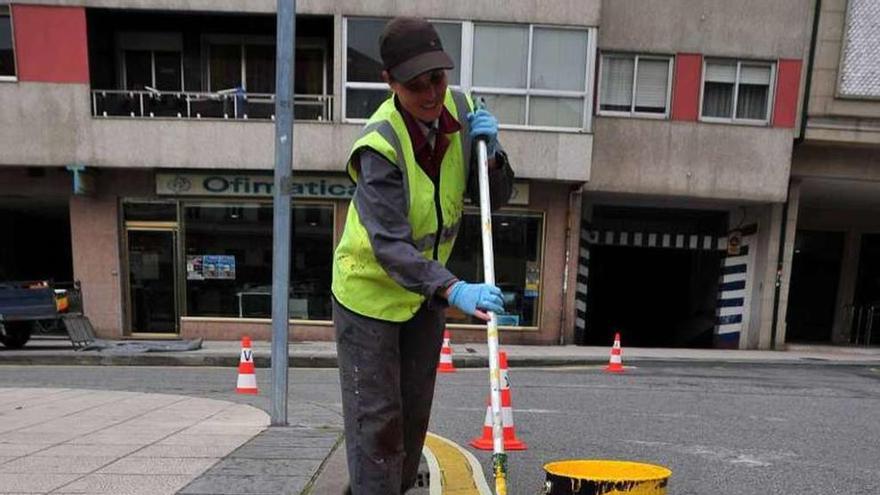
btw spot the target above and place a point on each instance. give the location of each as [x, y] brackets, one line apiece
[359, 281]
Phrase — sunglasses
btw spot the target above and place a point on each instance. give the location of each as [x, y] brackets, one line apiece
[434, 79]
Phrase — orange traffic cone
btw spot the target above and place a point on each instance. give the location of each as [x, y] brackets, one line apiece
[446, 365]
[615, 365]
[510, 441]
[247, 380]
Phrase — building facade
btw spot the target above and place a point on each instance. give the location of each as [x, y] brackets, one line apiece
[834, 205]
[652, 143]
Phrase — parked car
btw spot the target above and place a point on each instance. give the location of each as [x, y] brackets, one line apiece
[29, 306]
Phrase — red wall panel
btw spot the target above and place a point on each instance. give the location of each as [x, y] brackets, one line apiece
[51, 44]
[686, 86]
[788, 81]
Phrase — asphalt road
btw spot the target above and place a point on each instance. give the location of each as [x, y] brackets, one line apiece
[721, 429]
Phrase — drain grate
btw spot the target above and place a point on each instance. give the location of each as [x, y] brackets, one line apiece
[423, 479]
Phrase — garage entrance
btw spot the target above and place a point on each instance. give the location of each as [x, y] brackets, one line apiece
[660, 277]
[654, 297]
[36, 240]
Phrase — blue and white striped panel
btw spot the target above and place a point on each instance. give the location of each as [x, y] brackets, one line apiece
[731, 299]
[583, 274]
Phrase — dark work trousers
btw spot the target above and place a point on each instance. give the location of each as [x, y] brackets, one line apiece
[387, 372]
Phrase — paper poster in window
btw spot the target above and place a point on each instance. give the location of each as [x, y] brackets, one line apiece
[194, 268]
[533, 279]
[218, 267]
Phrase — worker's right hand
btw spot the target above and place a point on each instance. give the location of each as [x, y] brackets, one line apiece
[476, 299]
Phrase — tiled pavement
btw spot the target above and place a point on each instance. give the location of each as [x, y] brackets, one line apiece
[278, 460]
[68, 441]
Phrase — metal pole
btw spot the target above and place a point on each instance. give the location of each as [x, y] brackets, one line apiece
[499, 458]
[286, 36]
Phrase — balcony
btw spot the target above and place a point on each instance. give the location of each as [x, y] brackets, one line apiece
[228, 104]
[211, 66]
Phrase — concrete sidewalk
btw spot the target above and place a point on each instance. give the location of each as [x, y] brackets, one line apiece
[58, 351]
[56, 440]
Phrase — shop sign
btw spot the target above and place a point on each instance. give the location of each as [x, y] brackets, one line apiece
[258, 186]
[261, 186]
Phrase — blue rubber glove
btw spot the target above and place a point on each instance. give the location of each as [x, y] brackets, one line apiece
[476, 299]
[483, 123]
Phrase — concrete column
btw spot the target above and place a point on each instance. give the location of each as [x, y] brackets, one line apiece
[761, 287]
[794, 195]
[846, 288]
[338, 84]
[95, 238]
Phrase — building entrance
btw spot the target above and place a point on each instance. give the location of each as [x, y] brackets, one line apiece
[866, 327]
[153, 296]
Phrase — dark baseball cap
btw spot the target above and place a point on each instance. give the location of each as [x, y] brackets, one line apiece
[411, 46]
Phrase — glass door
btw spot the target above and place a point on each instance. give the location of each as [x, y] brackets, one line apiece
[152, 289]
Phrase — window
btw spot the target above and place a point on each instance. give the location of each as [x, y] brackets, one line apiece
[529, 75]
[737, 91]
[541, 79]
[249, 63]
[150, 61]
[7, 55]
[162, 70]
[238, 236]
[634, 85]
[518, 241]
[364, 88]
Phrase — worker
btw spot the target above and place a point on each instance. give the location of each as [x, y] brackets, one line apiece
[413, 163]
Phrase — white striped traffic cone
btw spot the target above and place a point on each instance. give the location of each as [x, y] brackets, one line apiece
[446, 365]
[615, 364]
[510, 441]
[247, 379]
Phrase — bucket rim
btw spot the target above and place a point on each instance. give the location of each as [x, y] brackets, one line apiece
[591, 470]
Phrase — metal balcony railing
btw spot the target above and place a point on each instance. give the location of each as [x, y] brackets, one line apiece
[226, 104]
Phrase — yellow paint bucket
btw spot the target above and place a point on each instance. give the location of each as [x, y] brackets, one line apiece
[597, 477]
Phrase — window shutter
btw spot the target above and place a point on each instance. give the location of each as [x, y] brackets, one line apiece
[617, 79]
[651, 82]
[751, 74]
[721, 72]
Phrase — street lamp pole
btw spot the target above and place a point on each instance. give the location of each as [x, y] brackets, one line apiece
[284, 65]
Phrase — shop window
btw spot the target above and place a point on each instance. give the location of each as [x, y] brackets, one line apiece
[518, 241]
[737, 91]
[7, 55]
[364, 88]
[229, 260]
[634, 85]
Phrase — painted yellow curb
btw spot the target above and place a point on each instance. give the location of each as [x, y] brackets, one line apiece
[456, 472]
[598, 477]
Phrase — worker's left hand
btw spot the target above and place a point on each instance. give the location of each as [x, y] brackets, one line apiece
[476, 299]
[483, 123]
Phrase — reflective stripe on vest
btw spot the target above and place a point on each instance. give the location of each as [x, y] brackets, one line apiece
[359, 281]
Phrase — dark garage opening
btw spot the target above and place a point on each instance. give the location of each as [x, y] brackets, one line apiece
[36, 241]
[654, 297]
